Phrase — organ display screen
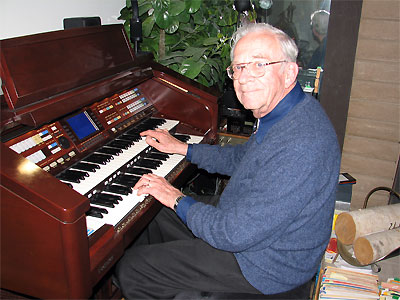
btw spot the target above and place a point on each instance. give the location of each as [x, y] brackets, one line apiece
[82, 125]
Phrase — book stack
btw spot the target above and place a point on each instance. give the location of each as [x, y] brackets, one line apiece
[390, 289]
[338, 283]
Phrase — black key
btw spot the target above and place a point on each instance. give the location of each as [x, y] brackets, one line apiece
[126, 180]
[154, 150]
[182, 137]
[138, 171]
[105, 197]
[86, 167]
[115, 198]
[118, 189]
[109, 150]
[150, 124]
[133, 132]
[158, 156]
[68, 177]
[77, 173]
[127, 138]
[100, 209]
[148, 163]
[99, 158]
[93, 212]
[121, 144]
[102, 202]
[131, 137]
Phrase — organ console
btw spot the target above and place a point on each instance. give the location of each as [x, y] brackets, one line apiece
[73, 106]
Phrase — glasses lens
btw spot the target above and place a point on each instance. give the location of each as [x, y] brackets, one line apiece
[256, 69]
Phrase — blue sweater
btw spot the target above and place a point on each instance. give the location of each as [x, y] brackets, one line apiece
[275, 214]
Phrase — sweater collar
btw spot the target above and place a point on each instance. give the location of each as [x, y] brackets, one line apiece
[295, 96]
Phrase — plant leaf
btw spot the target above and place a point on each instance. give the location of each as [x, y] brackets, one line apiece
[125, 14]
[173, 55]
[171, 39]
[162, 18]
[173, 60]
[201, 79]
[147, 26]
[211, 41]
[160, 5]
[228, 18]
[173, 27]
[199, 18]
[191, 68]
[195, 52]
[144, 8]
[212, 63]
[184, 17]
[186, 27]
[176, 7]
[206, 71]
[192, 6]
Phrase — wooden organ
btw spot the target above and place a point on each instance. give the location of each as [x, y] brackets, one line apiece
[74, 102]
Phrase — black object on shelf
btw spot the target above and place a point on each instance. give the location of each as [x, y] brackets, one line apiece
[81, 22]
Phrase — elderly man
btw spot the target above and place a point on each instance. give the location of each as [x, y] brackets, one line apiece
[269, 228]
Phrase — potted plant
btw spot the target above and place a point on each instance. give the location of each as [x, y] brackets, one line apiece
[189, 36]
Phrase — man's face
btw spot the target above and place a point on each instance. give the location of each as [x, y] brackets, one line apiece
[261, 94]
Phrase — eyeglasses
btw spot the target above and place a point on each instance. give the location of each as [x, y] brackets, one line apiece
[255, 68]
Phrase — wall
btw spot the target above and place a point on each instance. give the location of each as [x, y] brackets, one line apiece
[19, 17]
[371, 144]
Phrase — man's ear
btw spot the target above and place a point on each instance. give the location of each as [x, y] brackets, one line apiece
[292, 70]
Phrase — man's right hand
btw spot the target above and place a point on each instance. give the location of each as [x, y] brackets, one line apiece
[163, 141]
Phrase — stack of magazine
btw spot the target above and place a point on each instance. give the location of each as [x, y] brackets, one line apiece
[338, 283]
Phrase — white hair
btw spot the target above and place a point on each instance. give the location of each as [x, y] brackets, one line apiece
[320, 20]
[288, 46]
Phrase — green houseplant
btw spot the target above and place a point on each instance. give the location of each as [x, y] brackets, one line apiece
[189, 36]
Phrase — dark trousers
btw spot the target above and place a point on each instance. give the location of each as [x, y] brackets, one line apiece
[167, 260]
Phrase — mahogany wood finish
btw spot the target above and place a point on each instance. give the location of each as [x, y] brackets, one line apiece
[45, 250]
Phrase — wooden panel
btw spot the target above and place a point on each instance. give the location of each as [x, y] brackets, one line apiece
[369, 183]
[377, 71]
[388, 131]
[370, 148]
[375, 90]
[355, 163]
[382, 50]
[379, 29]
[381, 9]
[374, 110]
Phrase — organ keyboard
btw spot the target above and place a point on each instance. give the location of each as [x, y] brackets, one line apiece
[74, 104]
